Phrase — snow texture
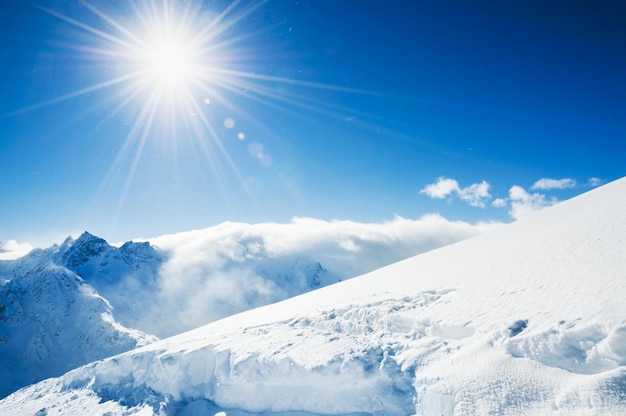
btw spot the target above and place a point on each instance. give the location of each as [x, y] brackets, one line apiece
[527, 319]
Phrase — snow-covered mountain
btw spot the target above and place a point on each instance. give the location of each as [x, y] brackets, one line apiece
[178, 282]
[115, 273]
[527, 319]
[51, 322]
[125, 275]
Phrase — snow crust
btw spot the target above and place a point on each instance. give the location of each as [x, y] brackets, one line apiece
[527, 319]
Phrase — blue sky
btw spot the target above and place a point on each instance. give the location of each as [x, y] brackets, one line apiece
[116, 121]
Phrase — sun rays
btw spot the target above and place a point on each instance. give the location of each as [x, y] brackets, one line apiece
[183, 74]
[161, 55]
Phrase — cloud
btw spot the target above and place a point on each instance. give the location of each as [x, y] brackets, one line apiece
[475, 194]
[12, 250]
[593, 182]
[521, 203]
[524, 203]
[546, 183]
[232, 267]
[441, 189]
[500, 202]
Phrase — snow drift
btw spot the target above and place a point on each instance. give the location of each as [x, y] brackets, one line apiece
[527, 319]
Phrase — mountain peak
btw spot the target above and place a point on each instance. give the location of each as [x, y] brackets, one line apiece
[69, 240]
[87, 236]
[85, 247]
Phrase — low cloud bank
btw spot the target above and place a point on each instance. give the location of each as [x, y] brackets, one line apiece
[218, 271]
[12, 250]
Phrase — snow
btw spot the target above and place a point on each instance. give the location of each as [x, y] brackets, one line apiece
[116, 272]
[526, 319]
[51, 321]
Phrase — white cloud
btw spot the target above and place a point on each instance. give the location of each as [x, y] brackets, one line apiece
[546, 183]
[231, 267]
[521, 203]
[475, 194]
[524, 203]
[593, 182]
[12, 250]
[441, 189]
[500, 202]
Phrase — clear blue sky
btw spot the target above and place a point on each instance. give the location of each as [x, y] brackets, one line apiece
[341, 109]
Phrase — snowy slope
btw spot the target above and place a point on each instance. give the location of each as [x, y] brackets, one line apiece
[527, 319]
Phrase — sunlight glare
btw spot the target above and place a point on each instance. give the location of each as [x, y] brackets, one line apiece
[169, 63]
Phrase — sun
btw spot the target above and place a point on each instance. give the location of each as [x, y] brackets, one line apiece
[169, 63]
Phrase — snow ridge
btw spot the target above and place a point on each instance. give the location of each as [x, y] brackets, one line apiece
[353, 371]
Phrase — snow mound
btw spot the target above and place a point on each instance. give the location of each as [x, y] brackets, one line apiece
[528, 319]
